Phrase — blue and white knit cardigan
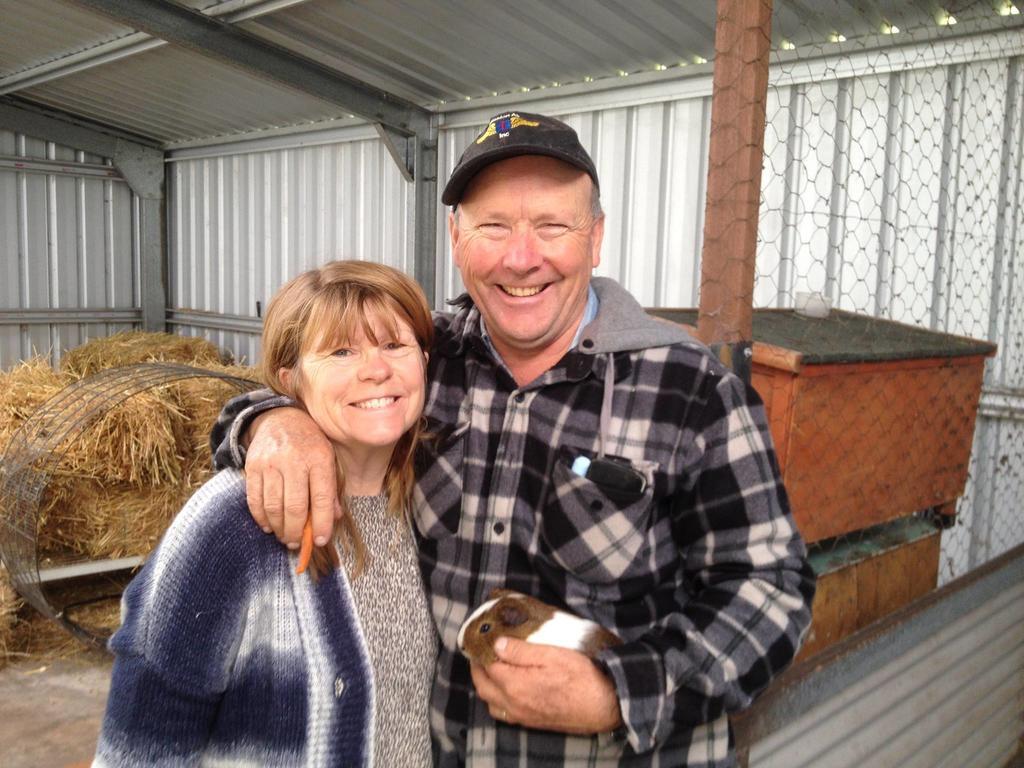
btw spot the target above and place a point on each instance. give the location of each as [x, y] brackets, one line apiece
[226, 657]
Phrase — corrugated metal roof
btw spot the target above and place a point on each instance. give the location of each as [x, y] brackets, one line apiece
[432, 52]
[170, 94]
[435, 53]
[43, 31]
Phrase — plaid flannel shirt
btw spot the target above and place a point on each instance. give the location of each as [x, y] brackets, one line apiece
[702, 573]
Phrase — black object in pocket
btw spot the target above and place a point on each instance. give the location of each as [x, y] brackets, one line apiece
[620, 480]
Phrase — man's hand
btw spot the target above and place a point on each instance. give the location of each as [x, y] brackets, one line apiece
[290, 473]
[541, 686]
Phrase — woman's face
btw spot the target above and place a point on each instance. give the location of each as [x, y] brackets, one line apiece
[366, 394]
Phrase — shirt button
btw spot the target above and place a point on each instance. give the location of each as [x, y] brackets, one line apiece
[339, 687]
[499, 528]
[520, 397]
[596, 505]
[588, 343]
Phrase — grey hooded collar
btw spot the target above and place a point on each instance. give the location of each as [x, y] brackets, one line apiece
[622, 325]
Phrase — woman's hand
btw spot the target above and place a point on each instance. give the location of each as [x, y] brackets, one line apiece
[290, 474]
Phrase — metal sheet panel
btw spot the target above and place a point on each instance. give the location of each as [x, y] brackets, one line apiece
[952, 701]
[436, 52]
[242, 225]
[169, 94]
[432, 52]
[66, 243]
[44, 30]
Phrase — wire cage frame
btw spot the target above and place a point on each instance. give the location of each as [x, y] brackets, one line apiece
[36, 449]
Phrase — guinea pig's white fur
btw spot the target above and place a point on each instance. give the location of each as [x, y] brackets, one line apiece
[553, 627]
[561, 629]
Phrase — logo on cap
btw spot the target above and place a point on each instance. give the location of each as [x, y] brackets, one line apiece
[502, 125]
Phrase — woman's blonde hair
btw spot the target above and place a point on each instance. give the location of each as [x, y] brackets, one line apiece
[320, 310]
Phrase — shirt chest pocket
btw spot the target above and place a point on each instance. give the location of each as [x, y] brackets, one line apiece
[597, 533]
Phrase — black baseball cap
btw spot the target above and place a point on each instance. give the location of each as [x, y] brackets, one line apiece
[517, 133]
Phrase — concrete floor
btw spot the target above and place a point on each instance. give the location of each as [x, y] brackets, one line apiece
[50, 712]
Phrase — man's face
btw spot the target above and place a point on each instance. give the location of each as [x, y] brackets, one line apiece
[526, 242]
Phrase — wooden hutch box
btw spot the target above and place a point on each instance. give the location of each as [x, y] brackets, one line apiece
[873, 421]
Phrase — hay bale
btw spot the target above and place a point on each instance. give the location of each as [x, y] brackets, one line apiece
[125, 479]
[142, 440]
[9, 605]
[119, 482]
[133, 347]
[94, 519]
[201, 400]
[22, 390]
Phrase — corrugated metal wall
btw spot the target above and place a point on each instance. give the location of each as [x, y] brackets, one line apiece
[924, 253]
[69, 246]
[242, 224]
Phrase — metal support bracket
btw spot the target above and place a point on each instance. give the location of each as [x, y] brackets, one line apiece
[232, 45]
[402, 149]
[737, 356]
[142, 167]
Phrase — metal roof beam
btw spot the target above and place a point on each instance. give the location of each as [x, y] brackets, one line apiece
[225, 43]
[60, 128]
[140, 164]
[130, 45]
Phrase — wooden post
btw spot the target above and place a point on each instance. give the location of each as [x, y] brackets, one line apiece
[742, 45]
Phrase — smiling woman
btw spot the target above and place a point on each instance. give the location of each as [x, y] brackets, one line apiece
[228, 653]
[349, 343]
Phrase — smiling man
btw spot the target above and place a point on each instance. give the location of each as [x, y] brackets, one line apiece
[526, 238]
[587, 455]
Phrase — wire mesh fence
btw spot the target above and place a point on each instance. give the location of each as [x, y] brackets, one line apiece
[891, 231]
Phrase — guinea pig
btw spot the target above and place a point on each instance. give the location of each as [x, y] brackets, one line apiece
[513, 614]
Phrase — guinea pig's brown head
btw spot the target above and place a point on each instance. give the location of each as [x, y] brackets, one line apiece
[505, 614]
